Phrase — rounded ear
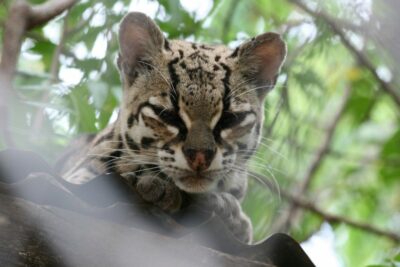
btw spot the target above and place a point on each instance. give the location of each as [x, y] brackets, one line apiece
[140, 40]
[261, 58]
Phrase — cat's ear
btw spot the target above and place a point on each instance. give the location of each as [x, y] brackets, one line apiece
[260, 60]
[140, 41]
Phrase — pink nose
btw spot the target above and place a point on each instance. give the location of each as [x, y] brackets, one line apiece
[199, 160]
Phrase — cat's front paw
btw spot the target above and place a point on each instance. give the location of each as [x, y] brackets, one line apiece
[228, 209]
[160, 193]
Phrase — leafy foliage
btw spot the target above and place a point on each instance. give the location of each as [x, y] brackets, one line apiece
[67, 84]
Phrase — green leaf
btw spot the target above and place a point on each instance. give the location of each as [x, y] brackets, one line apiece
[85, 117]
[46, 50]
[390, 157]
[99, 91]
[362, 99]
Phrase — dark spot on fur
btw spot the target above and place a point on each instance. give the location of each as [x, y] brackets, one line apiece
[242, 146]
[131, 143]
[168, 159]
[235, 53]
[147, 141]
[168, 149]
[180, 53]
[226, 161]
[229, 149]
[111, 159]
[130, 121]
[166, 45]
[236, 192]
[258, 128]
[225, 81]
[175, 80]
[206, 47]
[221, 184]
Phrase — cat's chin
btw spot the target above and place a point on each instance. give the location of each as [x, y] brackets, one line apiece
[195, 184]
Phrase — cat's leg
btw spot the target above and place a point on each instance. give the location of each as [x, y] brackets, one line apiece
[163, 194]
[228, 208]
[84, 173]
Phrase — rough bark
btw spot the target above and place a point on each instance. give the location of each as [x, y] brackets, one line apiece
[49, 236]
[47, 222]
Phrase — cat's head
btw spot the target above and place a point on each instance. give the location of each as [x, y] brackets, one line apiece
[196, 109]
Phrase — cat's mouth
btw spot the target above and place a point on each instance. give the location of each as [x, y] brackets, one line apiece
[196, 182]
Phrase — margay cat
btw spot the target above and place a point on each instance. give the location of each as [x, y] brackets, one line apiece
[190, 119]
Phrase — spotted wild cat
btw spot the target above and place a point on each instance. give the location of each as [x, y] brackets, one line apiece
[190, 119]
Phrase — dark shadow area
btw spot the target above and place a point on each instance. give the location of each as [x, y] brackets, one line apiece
[48, 222]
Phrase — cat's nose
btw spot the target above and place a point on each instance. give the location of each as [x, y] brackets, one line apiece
[198, 159]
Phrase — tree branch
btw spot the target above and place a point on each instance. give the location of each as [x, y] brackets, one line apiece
[287, 218]
[22, 17]
[45, 12]
[326, 216]
[54, 70]
[326, 142]
[14, 28]
[362, 58]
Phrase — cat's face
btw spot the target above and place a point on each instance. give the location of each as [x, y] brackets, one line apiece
[196, 109]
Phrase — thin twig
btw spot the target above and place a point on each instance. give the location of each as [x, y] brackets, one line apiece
[54, 78]
[389, 88]
[80, 25]
[326, 216]
[326, 142]
[228, 20]
[286, 220]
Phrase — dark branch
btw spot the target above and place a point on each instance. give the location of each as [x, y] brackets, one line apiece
[291, 214]
[331, 218]
[41, 14]
[361, 57]
[22, 17]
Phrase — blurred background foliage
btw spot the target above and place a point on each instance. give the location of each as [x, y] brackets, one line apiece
[331, 134]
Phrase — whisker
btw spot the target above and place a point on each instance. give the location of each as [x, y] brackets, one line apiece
[268, 166]
[273, 150]
[243, 151]
[131, 159]
[126, 158]
[251, 90]
[108, 150]
[267, 139]
[256, 88]
[238, 86]
[111, 141]
[264, 167]
[274, 186]
[142, 170]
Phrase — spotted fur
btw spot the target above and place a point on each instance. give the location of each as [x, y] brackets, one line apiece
[185, 104]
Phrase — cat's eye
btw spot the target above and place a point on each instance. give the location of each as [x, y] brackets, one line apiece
[169, 117]
[230, 119]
